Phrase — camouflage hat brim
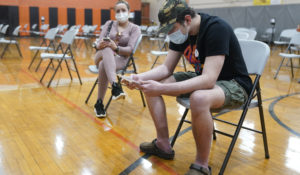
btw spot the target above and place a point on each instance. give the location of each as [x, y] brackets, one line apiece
[165, 28]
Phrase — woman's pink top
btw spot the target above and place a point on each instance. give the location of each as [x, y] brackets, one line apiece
[127, 40]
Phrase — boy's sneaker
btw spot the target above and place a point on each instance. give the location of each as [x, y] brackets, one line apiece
[117, 91]
[99, 109]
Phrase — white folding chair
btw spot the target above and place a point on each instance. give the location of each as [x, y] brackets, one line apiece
[3, 31]
[251, 32]
[11, 41]
[255, 54]
[160, 52]
[293, 45]
[50, 36]
[284, 38]
[241, 35]
[66, 54]
[123, 71]
[44, 28]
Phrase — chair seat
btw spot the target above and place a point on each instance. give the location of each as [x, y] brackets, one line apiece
[81, 37]
[54, 56]
[5, 41]
[186, 103]
[157, 39]
[39, 33]
[159, 53]
[281, 42]
[293, 48]
[287, 55]
[93, 69]
[39, 48]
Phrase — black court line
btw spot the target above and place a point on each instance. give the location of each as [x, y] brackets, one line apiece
[274, 116]
[136, 163]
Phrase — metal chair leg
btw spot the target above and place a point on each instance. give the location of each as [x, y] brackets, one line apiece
[179, 127]
[154, 62]
[68, 70]
[54, 73]
[279, 68]
[46, 70]
[18, 48]
[77, 71]
[92, 90]
[4, 50]
[292, 67]
[34, 57]
[262, 123]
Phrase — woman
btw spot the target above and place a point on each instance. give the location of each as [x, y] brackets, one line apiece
[113, 53]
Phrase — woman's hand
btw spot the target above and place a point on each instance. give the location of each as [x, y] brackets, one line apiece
[103, 44]
[113, 45]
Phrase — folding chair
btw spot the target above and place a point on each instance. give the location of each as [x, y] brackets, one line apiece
[50, 35]
[3, 31]
[284, 38]
[256, 54]
[11, 41]
[67, 39]
[251, 32]
[123, 71]
[160, 52]
[241, 35]
[43, 30]
[294, 45]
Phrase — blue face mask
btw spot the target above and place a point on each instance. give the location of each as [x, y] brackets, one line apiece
[178, 37]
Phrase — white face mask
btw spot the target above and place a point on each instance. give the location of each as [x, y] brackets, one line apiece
[178, 37]
[122, 17]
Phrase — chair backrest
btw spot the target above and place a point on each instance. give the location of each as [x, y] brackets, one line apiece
[252, 34]
[25, 26]
[137, 43]
[33, 27]
[295, 39]
[16, 31]
[256, 54]
[69, 36]
[4, 29]
[50, 35]
[241, 29]
[45, 27]
[288, 33]
[73, 27]
[241, 35]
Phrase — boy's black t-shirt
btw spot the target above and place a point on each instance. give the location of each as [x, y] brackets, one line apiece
[216, 37]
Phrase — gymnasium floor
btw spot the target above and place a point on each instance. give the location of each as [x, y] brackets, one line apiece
[52, 131]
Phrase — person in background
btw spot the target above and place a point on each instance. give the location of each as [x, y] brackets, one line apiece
[113, 53]
[220, 78]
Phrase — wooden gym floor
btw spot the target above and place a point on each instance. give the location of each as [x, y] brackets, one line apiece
[52, 131]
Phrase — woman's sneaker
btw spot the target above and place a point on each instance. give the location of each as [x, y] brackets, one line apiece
[117, 91]
[99, 109]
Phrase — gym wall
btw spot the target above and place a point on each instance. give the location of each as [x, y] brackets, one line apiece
[72, 12]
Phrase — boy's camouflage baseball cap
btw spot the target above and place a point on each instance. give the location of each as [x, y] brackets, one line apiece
[168, 13]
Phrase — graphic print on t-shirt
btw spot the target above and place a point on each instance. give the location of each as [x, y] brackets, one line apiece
[189, 54]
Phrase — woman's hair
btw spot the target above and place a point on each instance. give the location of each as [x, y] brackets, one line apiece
[181, 17]
[123, 2]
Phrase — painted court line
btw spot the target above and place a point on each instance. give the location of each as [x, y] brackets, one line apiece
[112, 131]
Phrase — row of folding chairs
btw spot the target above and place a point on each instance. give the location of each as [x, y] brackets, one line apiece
[11, 41]
[291, 52]
[61, 53]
